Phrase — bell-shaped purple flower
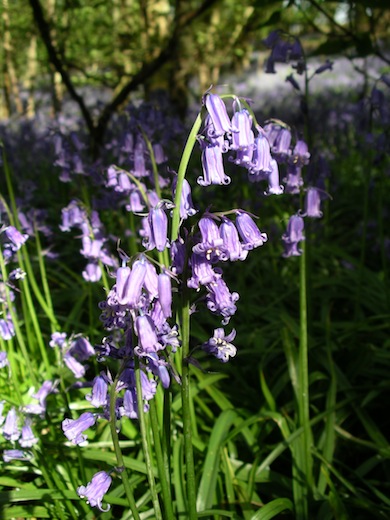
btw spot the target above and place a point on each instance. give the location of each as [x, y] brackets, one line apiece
[9, 455]
[15, 237]
[130, 405]
[165, 294]
[212, 245]
[250, 234]
[7, 330]
[96, 489]
[147, 337]
[218, 113]
[213, 170]
[4, 361]
[74, 428]
[220, 300]
[129, 283]
[158, 223]
[186, 205]
[261, 158]
[300, 155]
[74, 366]
[220, 345]
[312, 203]
[28, 438]
[11, 430]
[293, 180]
[242, 136]
[99, 394]
[92, 272]
[293, 236]
[274, 186]
[231, 240]
[202, 272]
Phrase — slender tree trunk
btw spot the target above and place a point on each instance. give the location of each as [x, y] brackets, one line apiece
[32, 65]
[11, 87]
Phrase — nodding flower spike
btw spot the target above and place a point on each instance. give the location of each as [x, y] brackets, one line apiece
[218, 113]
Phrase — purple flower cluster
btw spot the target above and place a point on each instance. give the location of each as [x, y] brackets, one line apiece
[74, 351]
[17, 425]
[92, 237]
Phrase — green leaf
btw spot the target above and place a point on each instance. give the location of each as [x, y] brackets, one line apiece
[211, 465]
[273, 508]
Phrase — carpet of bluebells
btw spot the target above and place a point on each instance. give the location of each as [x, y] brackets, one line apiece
[196, 322]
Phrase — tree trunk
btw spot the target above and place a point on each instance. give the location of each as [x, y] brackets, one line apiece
[11, 87]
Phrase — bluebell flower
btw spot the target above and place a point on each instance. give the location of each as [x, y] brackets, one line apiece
[81, 348]
[9, 455]
[220, 300]
[328, 65]
[92, 272]
[11, 431]
[186, 205]
[158, 224]
[74, 428]
[58, 339]
[159, 369]
[295, 229]
[220, 345]
[165, 294]
[281, 145]
[202, 271]
[147, 337]
[129, 283]
[293, 180]
[73, 215]
[218, 113]
[151, 280]
[99, 394]
[74, 366]
[28, 438]
[300, 155]
[129, 405]
[213, 169]
[274, 186]
[250, 234]
[212, 245]
[15, 237]
[96, 489]
[261, 158]
[290, 78]
[4, 361]
[231, 240]
[242, 136]
[312, 203]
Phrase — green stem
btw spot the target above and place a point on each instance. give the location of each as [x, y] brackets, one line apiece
[146, 444]
[303, 401]
[164, 477]
[118, 451]
[14, 318]
[186, 404]
[185, 158]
